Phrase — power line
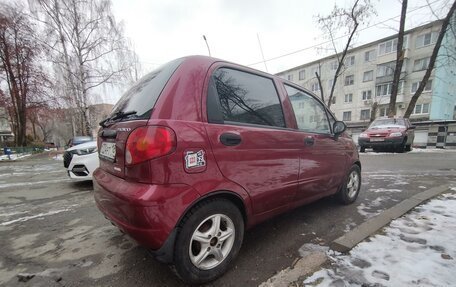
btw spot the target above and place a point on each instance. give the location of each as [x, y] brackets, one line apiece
[337, 38]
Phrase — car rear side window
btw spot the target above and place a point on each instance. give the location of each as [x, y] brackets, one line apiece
[141, 98]
[246, 98]
[310, 113]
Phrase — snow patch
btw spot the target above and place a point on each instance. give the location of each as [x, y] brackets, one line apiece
[14, 156]
[377, 190]
[58, 157]
[414, 250]
[371, 210]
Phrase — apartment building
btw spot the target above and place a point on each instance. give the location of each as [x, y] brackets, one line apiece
[368, 73]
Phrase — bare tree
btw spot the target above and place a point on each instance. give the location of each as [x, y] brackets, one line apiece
[400, 53]
[19, 67]
[317, 75]
[349, 18]
[445, 27]
[87, 46]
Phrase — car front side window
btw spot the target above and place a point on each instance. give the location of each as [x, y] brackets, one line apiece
[310, 114]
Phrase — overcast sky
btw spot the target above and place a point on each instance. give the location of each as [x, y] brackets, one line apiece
[164, 30]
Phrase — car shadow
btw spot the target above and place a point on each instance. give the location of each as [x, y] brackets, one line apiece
[82, 185]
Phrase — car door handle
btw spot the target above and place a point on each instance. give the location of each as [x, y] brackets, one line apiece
[230, 139]
[309, 141]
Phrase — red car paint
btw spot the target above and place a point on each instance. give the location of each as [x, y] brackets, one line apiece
[272, 170]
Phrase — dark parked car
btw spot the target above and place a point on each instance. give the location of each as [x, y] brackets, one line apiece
[388, 133]
[201, 149]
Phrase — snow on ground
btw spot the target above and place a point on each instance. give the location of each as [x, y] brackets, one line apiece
[417, 249]
[58, 156]
[14, 156]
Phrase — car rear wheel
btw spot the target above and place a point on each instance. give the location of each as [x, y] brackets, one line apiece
[210, 238]
[408, 147]
[352, 184]
[362, 149]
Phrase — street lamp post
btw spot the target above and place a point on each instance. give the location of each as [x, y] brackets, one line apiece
[209, 50]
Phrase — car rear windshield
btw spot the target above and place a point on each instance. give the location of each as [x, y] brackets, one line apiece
[141, 98]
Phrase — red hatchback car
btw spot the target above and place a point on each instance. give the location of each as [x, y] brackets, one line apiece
[201, 149]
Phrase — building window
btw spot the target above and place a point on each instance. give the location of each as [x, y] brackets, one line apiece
[302, 74]
[421, 109]
[350, 61]
[365, 114]
[387, 47]
[349, 80]
[334, 65]
[426, 39]
[383, 112]
[386, 69]
[348, 98]
[368, 76]
[367, 95]
[315, 70]
[427, 88]
[290, 77]
[421, 64]
[314, 87]
[369, 56]
[385, 89]
[347, 116]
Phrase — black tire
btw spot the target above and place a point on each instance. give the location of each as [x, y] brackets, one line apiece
[408, 147]
[197, 218]
[346, 194]
[402, 147]
[362, 149]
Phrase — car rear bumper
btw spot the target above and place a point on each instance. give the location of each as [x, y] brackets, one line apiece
[148, 213]
[387, 142]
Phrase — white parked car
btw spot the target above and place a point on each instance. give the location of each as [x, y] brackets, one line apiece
[81, 160]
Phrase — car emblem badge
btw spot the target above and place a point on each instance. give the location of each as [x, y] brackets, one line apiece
[194, 159]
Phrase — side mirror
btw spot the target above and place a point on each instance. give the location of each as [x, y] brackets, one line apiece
[339, 127]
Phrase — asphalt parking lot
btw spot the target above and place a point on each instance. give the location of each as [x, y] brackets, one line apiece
[52, 234]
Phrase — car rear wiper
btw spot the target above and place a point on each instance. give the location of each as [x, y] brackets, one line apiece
[118, 115]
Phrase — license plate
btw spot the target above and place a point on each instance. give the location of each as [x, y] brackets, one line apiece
[377, 140]
[108, 151]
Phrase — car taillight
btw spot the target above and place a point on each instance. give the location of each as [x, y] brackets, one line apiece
[149, 142]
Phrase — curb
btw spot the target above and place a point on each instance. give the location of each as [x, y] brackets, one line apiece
[308, 264]
[349, 240]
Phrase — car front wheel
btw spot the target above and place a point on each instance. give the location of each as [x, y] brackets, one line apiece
[209, 240]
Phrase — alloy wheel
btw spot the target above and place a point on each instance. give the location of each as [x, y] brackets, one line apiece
[212, 241]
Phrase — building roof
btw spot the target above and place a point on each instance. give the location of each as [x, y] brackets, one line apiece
[422, 27]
